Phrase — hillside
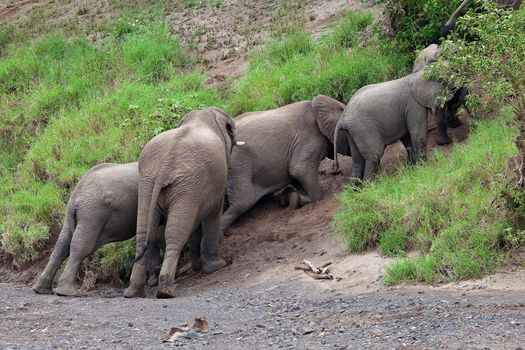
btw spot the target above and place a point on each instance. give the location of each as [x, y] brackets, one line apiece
[424, 256]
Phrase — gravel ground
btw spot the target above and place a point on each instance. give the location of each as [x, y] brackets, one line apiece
[297, 315]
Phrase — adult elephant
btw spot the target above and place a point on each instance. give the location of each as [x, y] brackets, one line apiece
[380, 114]
[102, 209]
[285, 147]
[182, 176]
[449, 118]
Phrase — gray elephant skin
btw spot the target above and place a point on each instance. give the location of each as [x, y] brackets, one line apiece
[102, 209]
[425, 58]
[284, 146]
[182, 176]
[381, 114]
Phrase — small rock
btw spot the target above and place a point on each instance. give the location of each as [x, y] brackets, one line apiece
[191, 335]
[130, 324]
[307, 331]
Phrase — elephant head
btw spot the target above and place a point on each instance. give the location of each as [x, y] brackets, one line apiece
[428, 56]
[328, 112]
[218, 120]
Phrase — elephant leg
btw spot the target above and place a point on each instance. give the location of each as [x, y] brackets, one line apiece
[358, 162]
[138, 276]
[418, 136]
[452, 108]
[306, 175]
[82, 245]
[211, 260]
[407, 142]
[241, 196]
[179, 226]
[154, 264]
[195, 246]
[441, 126]
[44, 284]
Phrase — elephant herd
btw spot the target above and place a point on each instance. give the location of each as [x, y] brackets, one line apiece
[175, 192]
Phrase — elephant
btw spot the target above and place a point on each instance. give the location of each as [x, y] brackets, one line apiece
[182, 176]
[428, 56]
[380, 114]
[286, 146]
[102, 209]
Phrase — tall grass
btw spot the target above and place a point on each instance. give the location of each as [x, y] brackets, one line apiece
[449, 209]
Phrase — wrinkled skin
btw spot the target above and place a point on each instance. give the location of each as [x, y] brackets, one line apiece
[428, 56]
[284, 146]
[102, 209]
[381, 114]
[183, 175]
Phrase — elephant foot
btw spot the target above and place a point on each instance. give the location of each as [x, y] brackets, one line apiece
[43, 286]
[134, 292]
[283, 196]
[443, 140]
[213, 265]
[196, 264]
[153, 280]
[165, 290]
[67, 290]
[295, 200]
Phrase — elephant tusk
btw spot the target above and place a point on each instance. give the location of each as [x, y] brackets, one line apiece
[239, 143]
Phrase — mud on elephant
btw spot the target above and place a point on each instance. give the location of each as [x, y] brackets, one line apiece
[183, 176]
[284, 147]
[102, 209]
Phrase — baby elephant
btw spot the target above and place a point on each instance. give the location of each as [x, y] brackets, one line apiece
[183, 176]
[380, 114]
[102, 209]
[284, 147]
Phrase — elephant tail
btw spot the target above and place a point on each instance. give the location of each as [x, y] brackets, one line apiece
[152, 226]
[336, 158]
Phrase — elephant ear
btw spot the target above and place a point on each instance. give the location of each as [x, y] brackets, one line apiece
[328, 111]
[426, 92]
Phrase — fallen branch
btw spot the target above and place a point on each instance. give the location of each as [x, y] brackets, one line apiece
[317, 273]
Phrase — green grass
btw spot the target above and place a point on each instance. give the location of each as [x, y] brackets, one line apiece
[441, 208]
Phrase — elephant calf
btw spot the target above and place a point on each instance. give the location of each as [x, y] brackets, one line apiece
[380, 114]
[284, 147]
[102, 209]
[182, 176]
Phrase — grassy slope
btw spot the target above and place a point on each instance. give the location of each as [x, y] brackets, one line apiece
[449, 209]
[68, 104]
